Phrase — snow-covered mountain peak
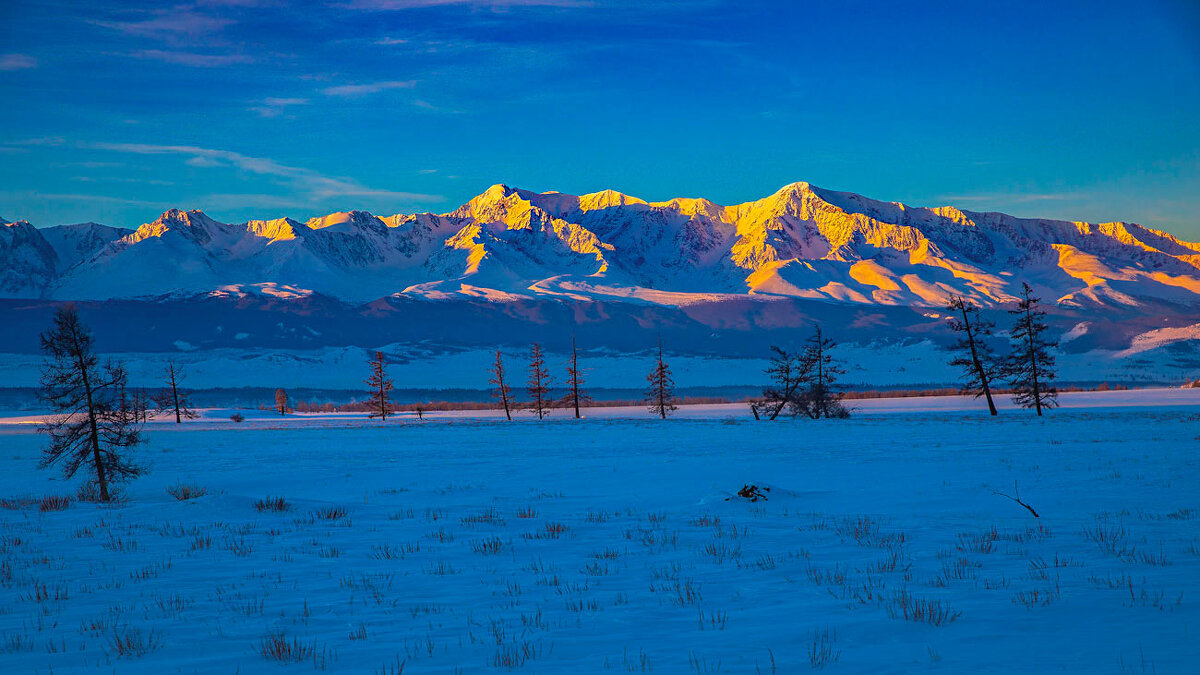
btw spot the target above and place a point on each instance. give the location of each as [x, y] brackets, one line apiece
[279, 229]
[15, 224]
[346, 221]
[181, 218]
[80, 242]
[607, 199]
[192, 225]
[797, 188]
[691, 207]
[27, 261]
[494, 204]
[495, 192]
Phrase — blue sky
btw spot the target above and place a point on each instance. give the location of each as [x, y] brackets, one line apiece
[245, 109]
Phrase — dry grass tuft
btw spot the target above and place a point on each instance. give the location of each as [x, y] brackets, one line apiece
[53, 503]
[185, 491]
[277, 647]
[272, 504]
[126, 642]
[330, 513]
[920, 610]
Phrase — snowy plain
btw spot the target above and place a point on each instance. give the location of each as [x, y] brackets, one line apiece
[617, 544]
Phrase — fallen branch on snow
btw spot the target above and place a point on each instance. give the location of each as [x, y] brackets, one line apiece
[752, 492]
[1016, 497]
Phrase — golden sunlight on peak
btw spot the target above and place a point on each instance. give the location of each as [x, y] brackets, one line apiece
[606, 199]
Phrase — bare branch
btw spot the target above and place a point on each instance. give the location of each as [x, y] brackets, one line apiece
[1016, 497]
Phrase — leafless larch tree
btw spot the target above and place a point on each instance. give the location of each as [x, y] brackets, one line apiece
[379, 404]
[661, 394]
[94, 424]
[501, 389]
[576, 396]
[538, 385]
[172, 399]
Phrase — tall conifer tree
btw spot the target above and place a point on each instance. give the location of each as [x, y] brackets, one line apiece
[94, 423]
[501, 390]
[379, 404]
[660, 396]
[1031, 365]
[539, 383]
[973, 354]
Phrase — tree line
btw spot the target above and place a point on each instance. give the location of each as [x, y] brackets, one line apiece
[96, 418]
[805, 383]
[540, 401]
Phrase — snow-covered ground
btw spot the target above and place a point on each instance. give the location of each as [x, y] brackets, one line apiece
[468, 544]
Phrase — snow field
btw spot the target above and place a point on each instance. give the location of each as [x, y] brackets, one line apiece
[613, 545]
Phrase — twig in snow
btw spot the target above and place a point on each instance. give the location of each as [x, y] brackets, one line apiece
[1016, 497]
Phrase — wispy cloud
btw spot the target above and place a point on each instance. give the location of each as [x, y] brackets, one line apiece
[391, 41]
[43, 141]
[203, 162]
[178, 21]
[115, 179]
[192, 58]
[17, 62]
[16, 195]
[274, 107]
[314, 185]
[354, 90]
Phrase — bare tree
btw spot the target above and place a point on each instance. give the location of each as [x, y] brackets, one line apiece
[94, 423]
[789, 373]
[502, 390]
[281, 402]
[381, 386]
[661, 394]
[419, 408]
[141, 402]
[1031, 365]
[539, 383]
[821, 397]
[172, 399]
[974, 355]
[575, 396]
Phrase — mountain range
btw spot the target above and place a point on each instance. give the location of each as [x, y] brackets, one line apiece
[800, 253]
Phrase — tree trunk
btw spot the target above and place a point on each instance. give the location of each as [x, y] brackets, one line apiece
[787, 396]
[1037, 395]
[662, 394]
[820, 376]
[987, 390]
[575, 376]
[101, 479]
[175, 396]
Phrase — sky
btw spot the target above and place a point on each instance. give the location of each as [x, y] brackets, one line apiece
[114, 112]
